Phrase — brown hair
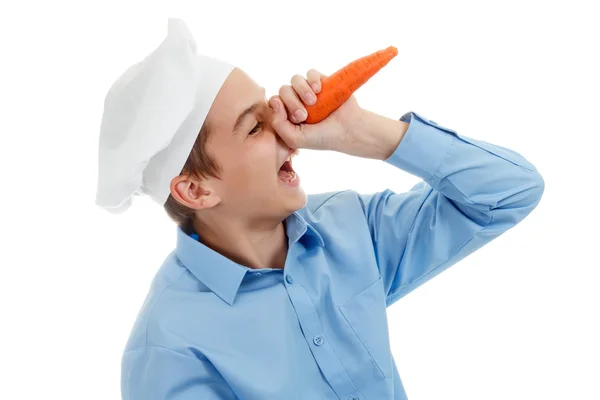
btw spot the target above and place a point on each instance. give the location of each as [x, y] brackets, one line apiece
[200, 164]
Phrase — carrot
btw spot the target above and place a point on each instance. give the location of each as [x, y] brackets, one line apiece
[337, 88]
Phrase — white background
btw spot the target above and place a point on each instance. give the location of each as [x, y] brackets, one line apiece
[518, 319]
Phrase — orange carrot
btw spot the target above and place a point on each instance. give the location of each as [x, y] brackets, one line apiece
[337, 88]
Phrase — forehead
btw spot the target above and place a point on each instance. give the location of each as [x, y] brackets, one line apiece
[237, 93]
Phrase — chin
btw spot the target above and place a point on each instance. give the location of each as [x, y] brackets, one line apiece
[296, 201]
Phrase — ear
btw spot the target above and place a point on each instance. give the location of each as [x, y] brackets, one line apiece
[193, 192]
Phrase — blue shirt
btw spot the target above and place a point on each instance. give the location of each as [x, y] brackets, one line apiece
[214, 329]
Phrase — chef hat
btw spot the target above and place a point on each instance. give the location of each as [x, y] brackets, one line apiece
[152, 116]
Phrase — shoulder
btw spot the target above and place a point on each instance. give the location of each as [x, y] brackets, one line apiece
[170, 278]
[179, 313]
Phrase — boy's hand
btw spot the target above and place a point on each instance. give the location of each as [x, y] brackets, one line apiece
[336, 132]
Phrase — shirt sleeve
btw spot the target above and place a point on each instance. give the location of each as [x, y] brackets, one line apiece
[157, 373]
[471, 192]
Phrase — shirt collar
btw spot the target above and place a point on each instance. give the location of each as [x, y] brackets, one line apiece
[222, 275]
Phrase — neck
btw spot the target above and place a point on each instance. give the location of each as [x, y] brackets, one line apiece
[254, 244]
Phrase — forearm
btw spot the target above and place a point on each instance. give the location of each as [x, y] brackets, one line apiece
[377, 136]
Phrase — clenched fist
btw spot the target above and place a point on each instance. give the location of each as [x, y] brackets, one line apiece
[289, 113]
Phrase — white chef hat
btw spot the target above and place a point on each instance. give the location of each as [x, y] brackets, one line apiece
[152, 116]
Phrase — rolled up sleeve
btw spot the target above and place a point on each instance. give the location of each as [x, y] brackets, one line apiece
[471, 192]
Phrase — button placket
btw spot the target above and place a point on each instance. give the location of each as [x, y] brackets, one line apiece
[322, 351]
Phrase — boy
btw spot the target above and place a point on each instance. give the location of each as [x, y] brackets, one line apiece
[269, 293]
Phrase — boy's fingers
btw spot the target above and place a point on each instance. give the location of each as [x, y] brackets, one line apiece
[302, 87]
[289, 97]
[281, 124]
[314, 79]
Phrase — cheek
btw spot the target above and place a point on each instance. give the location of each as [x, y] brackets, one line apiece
[253, 170]
[255, 162]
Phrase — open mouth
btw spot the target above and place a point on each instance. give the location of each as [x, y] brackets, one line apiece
[286, 172]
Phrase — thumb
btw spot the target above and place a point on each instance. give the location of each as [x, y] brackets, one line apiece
[290, 133]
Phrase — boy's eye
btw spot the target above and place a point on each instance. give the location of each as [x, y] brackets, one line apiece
[255, 129]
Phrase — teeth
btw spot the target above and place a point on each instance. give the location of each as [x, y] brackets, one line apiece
[291, 177]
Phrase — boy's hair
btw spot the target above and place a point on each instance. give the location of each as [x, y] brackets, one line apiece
[200, 164]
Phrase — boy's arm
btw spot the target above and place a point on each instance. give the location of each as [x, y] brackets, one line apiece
[157, 373]
[472, 192]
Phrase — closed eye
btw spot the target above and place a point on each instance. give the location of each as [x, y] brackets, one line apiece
[256, 128]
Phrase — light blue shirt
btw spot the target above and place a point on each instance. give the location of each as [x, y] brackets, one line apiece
[214, 329]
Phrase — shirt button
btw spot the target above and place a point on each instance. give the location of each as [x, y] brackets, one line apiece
[353, 398]
[289, 279]
[318, 340]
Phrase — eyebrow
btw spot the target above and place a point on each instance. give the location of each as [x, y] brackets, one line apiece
[242, 117]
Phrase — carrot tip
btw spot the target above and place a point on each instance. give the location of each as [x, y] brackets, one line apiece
[339, 86]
